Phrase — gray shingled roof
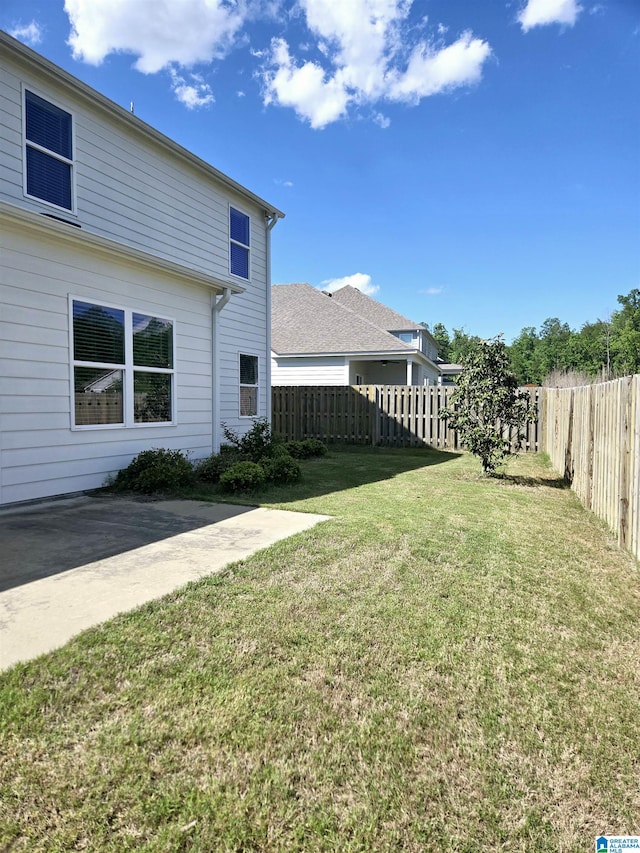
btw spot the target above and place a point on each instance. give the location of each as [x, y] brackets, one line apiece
[304, 321]
[374, 312]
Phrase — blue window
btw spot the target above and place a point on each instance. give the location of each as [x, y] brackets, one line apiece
[49, 160]
[239, 243]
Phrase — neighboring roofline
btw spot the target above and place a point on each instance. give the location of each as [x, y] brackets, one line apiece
[68, 232]
[385, 355]
[31, 57]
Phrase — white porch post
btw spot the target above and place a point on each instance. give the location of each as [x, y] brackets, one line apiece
[409, 371]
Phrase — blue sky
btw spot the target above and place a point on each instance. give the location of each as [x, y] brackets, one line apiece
[469, 162]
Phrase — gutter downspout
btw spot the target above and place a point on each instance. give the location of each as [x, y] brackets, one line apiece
[270, 220]
[217, 304]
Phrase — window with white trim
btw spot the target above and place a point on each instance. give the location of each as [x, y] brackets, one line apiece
[123, 366]
[248, 386]
[239, 243]
[48, 152]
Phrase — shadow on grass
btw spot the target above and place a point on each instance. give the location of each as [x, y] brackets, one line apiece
[533, 482]
[344, 467]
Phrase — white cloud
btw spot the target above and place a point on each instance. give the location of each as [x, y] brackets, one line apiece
[432, 71]
[432, 291]
[361, 281]
[363, 45]
[305, 88]
[195, 93]
[30, 34]
[382, 120]
[538, 13]
[159, 32]
[348, 55]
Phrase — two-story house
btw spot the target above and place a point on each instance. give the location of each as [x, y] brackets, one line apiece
[346, 338]
[134, 288]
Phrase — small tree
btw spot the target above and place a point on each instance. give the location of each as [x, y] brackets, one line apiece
[488, 410]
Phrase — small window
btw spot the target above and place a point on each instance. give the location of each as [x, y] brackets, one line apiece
[239, 228]
[248, 386]
[407, 337]
[123, 366]
[48, 156]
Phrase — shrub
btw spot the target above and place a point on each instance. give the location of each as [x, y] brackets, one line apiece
[256, 443]
[315, 447]
[243, 477]
[211, 468]
[156, 470]
[282, 469]
[295, 449]
[305, 449]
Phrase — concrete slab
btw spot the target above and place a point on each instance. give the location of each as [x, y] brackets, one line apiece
[68, 565]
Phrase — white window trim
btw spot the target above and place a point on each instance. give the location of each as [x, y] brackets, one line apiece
[246, 385]
[28, 144]
[238, 243]
[128, 369]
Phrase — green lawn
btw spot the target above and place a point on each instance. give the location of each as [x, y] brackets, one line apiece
[451, 663]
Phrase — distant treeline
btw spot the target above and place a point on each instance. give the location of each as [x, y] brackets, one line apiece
[602, 350]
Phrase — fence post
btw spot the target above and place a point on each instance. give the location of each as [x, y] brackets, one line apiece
[624, 461]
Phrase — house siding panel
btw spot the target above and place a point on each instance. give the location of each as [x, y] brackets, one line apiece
[132, 189]
[310, 371]
[40, 454]
[128, 189]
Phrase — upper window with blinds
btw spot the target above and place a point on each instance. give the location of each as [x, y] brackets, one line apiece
[239, 243]
[48, 152]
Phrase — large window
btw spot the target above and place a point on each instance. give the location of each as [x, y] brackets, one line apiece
[48, 152]
[248, 385]
[123, 366]
[239, 243]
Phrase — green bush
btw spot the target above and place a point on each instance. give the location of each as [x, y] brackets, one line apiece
[315, 447]
[243, 477]
[256, 443]
[282, 469]
[305, 449]
[211, 468]
[295, 449]
[156, 470]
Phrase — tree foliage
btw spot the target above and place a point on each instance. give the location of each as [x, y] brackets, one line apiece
[603, 349]
[488, 410]
[453, 348]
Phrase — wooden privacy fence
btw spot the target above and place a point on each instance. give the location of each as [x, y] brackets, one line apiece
[592, 435]
[392, 415]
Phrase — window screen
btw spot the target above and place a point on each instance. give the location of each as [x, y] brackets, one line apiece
[239, 243]
[48, 151]
[248, 385]
[48, 125]
[98, 333]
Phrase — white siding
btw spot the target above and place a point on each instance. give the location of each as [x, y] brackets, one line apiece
[40, 455]
[133, 190]
[322, 370]
[129, 188]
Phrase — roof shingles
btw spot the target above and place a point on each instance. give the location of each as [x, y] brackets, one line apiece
[305, 321]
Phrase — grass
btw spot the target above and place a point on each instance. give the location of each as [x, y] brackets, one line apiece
[451, 663]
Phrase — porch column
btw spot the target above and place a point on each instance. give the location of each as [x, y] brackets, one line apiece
[409, 372]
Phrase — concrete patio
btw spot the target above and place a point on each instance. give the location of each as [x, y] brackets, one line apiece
[66, 565]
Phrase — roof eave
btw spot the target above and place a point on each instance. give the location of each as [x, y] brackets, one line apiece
[34, 59]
